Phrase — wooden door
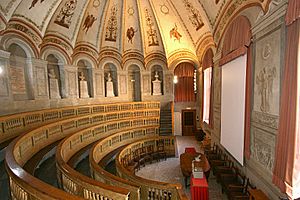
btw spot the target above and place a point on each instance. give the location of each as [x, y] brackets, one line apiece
[188, 122]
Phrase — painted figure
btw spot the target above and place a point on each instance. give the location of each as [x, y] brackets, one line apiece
[174, 33]
[88, 22]
[264, 81]
[130, 34]
[33, 3]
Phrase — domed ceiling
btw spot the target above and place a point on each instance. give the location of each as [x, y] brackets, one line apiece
[117, 28]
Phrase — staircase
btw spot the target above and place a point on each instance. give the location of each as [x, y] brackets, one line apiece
[166, 120]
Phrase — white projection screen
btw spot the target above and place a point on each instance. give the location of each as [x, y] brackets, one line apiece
[233, 107]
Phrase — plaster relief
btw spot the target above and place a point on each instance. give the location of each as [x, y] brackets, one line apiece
[99, 84]
[72, 83]
[146, 85]
[169, 84]
[3, 87]
[123, 86]
[267, 74]
[41, 81]
[265, 119]
[17, 80]
[262, 148]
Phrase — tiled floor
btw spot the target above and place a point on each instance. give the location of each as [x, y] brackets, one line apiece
[169, 170]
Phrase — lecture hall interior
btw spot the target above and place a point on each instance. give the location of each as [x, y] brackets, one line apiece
[149, 99]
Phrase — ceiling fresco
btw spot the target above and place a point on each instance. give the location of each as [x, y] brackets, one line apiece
[145, 27]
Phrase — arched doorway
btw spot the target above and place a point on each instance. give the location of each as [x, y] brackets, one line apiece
[185, 97]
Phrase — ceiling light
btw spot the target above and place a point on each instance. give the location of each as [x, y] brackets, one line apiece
[1, 69]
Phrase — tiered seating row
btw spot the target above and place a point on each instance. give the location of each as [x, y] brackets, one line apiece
[23, 185]
[110, 140]
[13, 125]
[150, 189]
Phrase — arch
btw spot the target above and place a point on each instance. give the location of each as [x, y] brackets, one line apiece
[235, 9]
[236, 39]
[25, 46]
[135, 62]
[86, 58]
[182, 56]
[63, 59]
[207, 60]
[104, 62]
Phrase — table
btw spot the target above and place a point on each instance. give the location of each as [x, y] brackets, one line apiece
[199, 188]
[257, 194]
[186, 160]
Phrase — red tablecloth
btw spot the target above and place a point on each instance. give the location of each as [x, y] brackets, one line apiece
[199, 188]
[190, 150]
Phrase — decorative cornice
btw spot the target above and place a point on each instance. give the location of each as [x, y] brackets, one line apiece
[266, 119]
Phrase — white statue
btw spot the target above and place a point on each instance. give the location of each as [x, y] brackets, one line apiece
[108, 77]
[81, 76]
[51, 74]
[156, 85]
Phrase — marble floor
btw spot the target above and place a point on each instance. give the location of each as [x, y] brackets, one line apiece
[169, 170]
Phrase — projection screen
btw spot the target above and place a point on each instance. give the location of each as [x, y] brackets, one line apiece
[233, 107]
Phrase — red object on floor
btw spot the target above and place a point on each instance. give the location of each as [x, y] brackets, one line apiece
[190, 150]
[199, 188]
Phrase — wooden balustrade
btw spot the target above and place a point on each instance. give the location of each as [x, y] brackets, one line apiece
[13, 125]
[23, 185]
[153, 190]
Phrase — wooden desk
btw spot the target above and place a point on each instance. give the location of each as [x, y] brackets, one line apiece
[257, 194]
[186, 160]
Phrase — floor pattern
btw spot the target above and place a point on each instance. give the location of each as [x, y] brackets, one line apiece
[169, 170]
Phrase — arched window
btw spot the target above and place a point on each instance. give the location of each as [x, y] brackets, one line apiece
[184, 88]
[207, 66]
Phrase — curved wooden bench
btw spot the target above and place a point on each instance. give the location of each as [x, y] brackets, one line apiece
[25, 186]
[69, 146]
[151, 189]
[101, 149]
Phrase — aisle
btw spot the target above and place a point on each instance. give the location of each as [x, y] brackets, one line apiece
[169, 170]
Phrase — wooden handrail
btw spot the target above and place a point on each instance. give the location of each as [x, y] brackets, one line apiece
[15, 124]
[24, 186]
